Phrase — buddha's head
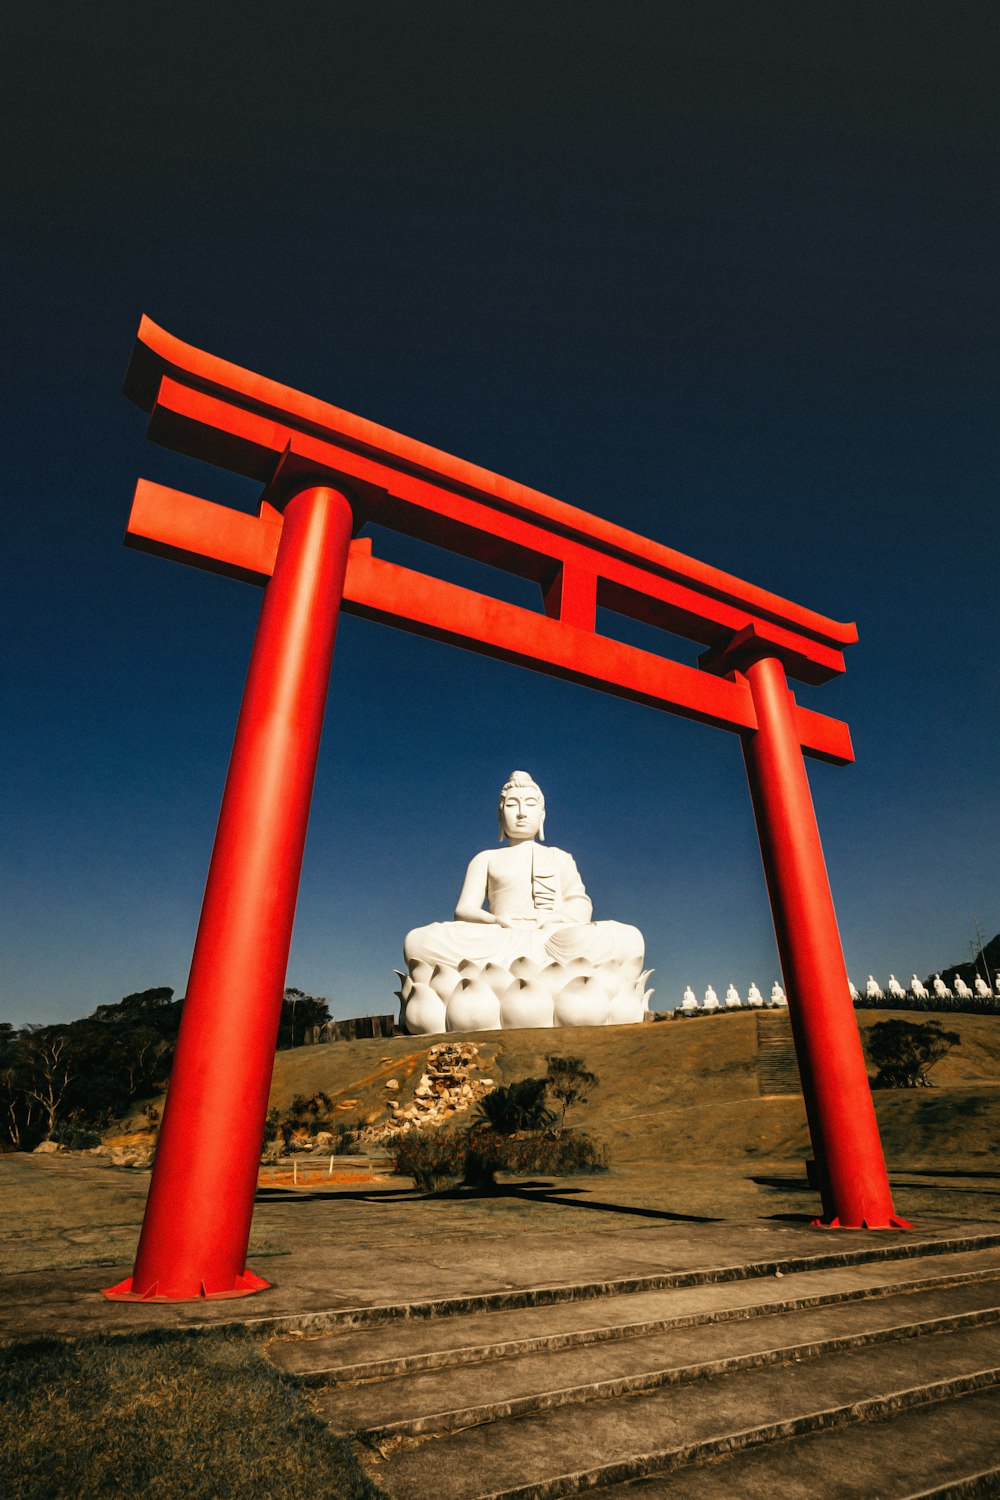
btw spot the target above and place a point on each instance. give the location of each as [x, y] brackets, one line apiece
[521, 810]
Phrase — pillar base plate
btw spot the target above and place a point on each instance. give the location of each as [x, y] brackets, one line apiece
[893, 1222]
[245, 1285]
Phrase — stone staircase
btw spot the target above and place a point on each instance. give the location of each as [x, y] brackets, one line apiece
[846, 1373]
[777, 1068]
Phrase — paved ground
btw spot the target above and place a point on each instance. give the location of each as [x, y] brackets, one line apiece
[72, 1225]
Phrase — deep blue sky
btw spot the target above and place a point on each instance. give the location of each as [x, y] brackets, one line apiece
[723, 273]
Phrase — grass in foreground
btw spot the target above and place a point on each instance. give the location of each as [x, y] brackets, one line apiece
[164, 1414]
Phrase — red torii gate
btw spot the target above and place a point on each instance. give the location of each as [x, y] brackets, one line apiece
[326, 473]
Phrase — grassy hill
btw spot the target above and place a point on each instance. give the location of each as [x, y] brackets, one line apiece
[687, 1089]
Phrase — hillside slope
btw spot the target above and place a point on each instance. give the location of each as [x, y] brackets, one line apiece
[688, 1090]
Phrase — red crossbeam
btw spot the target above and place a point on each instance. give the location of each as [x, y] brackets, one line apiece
[192, 530]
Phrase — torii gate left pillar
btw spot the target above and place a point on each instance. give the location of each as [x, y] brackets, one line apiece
[197, 1224]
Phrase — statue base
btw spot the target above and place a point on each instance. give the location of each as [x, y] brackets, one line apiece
[487, 996]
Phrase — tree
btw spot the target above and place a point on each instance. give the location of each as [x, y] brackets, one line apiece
[568, 1081]
[905, 1051]
[49, 1069]
[299, 1014]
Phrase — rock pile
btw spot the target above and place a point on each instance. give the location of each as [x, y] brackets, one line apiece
[451, 1083]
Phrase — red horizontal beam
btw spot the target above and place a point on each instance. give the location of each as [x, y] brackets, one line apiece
[187, 529]
[240, 440]
[192, 530]
[158, 353]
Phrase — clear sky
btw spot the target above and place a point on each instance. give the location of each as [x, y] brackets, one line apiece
[725, 274]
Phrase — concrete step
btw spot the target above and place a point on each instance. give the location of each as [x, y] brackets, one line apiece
[945, 1449]
[447, 1400]
[862, 1249]
[777, 1065]
[407, 1345]
[567, 1448]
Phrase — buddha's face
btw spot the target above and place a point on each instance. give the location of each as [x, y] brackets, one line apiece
[521, 813]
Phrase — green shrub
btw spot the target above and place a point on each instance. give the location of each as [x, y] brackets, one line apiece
[75, 1137]
[905, 1051]
[429, 1156]
[516, 1106]
[473, 1157]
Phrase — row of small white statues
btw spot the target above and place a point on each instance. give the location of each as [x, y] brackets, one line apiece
[938, 991]
[873, 991]
[523, 949]
[733, 1001]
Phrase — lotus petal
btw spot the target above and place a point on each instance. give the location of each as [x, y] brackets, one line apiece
[444, 981]
[584, 1001]
[425, 1013]
[473, 1006]
[498, 979]
[528, 1002]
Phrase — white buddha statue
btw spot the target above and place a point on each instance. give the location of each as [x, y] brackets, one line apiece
[982, 988]
[733, 998]
[754, 996]
[711, 999]
[523, 950]
[778, 996]
[690, 1000]
[873, 989]
[961, 988]
[896, 989]
[918, 988]
[941, 990]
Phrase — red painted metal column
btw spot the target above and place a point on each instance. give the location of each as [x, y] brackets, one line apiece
[197, 1223]
[846, 1143]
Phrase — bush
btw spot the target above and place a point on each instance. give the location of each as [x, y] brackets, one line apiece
[428, 1156]
[516, 1106]
[473, 1157]
[905, 1051]
[75, 1137]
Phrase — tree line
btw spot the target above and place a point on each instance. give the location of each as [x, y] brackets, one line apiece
[70, 1081]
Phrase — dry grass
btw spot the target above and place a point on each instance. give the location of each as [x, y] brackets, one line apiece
[164, 1415]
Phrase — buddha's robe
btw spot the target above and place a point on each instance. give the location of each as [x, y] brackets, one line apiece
[552, 882]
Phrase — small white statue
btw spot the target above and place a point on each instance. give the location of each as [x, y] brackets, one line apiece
[996, 985]
[754, 996]
[918, 988]
[523, 949]
[690, 1000]
[733, 998]
[853, 989]
[873, 989]
[778, 996]
[896, 989]
[941, 990]
[961, 988]
[711, 999]
[982, 988]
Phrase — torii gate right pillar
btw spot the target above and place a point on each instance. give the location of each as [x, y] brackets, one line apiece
[846, 1144]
